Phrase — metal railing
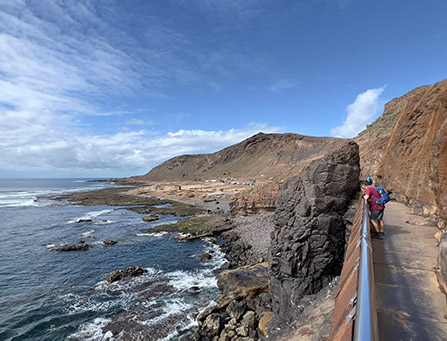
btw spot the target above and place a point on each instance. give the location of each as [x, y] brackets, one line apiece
[365, 325]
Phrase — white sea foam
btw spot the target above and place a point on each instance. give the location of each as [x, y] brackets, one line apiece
[163, 206]
[88, 233]
[218, 257]
[171, 307]
[157, 235]
[89, 216]
[97, 302]
[18, 202]
[93, 331]
[184, 280]
[104, 222]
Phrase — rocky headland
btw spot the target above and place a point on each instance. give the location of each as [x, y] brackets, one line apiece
[281, 207]
[273, 237]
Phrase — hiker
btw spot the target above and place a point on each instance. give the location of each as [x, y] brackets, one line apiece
[376, 210]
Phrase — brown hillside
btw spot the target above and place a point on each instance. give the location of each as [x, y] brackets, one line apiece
[268, 155]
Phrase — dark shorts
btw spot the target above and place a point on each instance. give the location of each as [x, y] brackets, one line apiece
[376, 215]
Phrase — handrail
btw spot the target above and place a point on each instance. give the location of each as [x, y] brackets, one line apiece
[365, 326]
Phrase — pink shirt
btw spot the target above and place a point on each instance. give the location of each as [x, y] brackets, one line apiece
[373, 197]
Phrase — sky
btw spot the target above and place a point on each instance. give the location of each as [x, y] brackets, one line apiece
[103, 88]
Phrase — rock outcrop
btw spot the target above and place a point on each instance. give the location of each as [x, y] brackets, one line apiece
[414, 163]
[131, 271]
[308, 241]
[243, 304]
[374, 139]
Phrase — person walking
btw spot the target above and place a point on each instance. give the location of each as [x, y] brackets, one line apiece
[371, 196]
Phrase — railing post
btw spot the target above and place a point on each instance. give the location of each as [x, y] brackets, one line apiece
[365, 326]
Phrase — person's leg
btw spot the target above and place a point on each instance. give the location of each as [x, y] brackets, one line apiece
[382, 226]
[376, 225]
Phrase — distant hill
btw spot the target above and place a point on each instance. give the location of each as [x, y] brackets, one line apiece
[269, 155]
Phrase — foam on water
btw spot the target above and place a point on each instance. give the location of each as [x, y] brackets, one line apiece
[90, 216]
[93, 331]
[88, 233]
[157, 235]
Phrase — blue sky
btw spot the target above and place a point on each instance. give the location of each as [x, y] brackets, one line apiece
[102, 88]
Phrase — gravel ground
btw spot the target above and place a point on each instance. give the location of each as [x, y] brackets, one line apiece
[255, 230]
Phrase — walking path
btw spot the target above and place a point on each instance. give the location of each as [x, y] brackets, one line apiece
[410, 304]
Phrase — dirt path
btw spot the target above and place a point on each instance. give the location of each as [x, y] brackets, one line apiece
[409, 301]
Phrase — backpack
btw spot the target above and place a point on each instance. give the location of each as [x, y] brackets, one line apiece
[384, 196]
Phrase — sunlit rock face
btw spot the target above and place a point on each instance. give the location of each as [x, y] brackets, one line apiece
[414, 163]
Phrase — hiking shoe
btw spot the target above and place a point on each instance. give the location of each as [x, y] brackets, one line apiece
[382, 236]
[375, 235]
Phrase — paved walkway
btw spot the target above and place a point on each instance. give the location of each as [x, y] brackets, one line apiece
[409, 301]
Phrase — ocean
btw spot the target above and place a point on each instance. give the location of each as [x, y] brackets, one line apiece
[51, 295]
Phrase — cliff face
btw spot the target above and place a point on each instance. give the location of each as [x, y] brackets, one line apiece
[308, 241]
[374, 139]
[415, 160]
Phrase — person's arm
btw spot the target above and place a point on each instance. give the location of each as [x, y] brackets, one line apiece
[367, 195]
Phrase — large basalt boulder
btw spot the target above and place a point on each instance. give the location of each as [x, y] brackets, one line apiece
[308, 241]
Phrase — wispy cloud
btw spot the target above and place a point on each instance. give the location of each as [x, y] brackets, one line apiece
[284, 84]
[136, 122]
[365, 107]
[33, 142]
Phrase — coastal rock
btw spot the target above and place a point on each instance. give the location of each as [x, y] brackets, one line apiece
[308, 241]
[82, 247]
[235, 309]
[83, 220]
[149, 218]
[211, 325]
[109, 242]
[243, 282]
[265, 319]
[206, 257]
[131, 271]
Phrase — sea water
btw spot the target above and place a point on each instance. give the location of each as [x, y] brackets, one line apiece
[51, 295]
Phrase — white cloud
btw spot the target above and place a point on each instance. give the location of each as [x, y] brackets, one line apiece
[360, 113]
[43, 142]
[283, 85]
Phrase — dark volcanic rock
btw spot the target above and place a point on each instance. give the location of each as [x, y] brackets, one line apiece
[149, 218]
[309, 237]
[131, 271]
[82, 247]
[206, 257]
[80, 220]
[109, 242]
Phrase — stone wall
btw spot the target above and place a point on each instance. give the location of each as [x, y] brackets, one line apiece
[308, 240]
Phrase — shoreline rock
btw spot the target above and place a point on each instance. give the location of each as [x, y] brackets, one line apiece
[67, 248]
[131, 271]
